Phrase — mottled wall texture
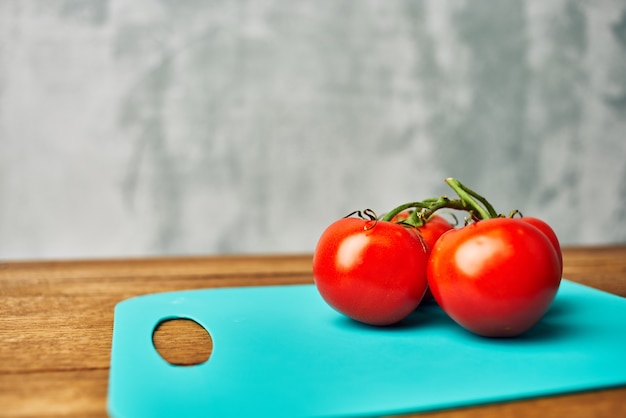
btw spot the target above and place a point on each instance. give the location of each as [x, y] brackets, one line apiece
[186, 127]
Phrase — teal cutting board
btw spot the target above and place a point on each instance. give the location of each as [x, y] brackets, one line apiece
[281, 351]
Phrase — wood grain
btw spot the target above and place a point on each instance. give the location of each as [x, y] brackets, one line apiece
[182, 342]
[56, 324]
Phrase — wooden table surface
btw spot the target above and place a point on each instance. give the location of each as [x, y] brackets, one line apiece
[56, 324]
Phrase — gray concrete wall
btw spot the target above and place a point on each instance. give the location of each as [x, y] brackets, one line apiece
[208, 127]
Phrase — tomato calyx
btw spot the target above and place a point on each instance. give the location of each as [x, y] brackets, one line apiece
[367, 215]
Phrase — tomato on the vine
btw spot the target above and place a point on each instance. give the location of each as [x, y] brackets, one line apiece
[430, 232]
[370, 270]
[495, 277]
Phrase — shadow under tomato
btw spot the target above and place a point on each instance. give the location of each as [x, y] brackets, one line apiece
[423, 317]
[553, 326]
[547, 331]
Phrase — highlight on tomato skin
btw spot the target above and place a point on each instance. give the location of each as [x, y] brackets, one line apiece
[495, 277]
[372, 272]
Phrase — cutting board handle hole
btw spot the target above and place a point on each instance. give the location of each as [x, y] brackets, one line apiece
[182, 342]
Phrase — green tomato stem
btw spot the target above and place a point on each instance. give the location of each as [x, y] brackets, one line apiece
[425, 209]
[389, 215]
[471, 199]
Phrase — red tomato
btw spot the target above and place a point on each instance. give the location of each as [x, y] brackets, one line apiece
[433, 229]
[430, 233]
[548, 232]
[495, 277]
[371, 271]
